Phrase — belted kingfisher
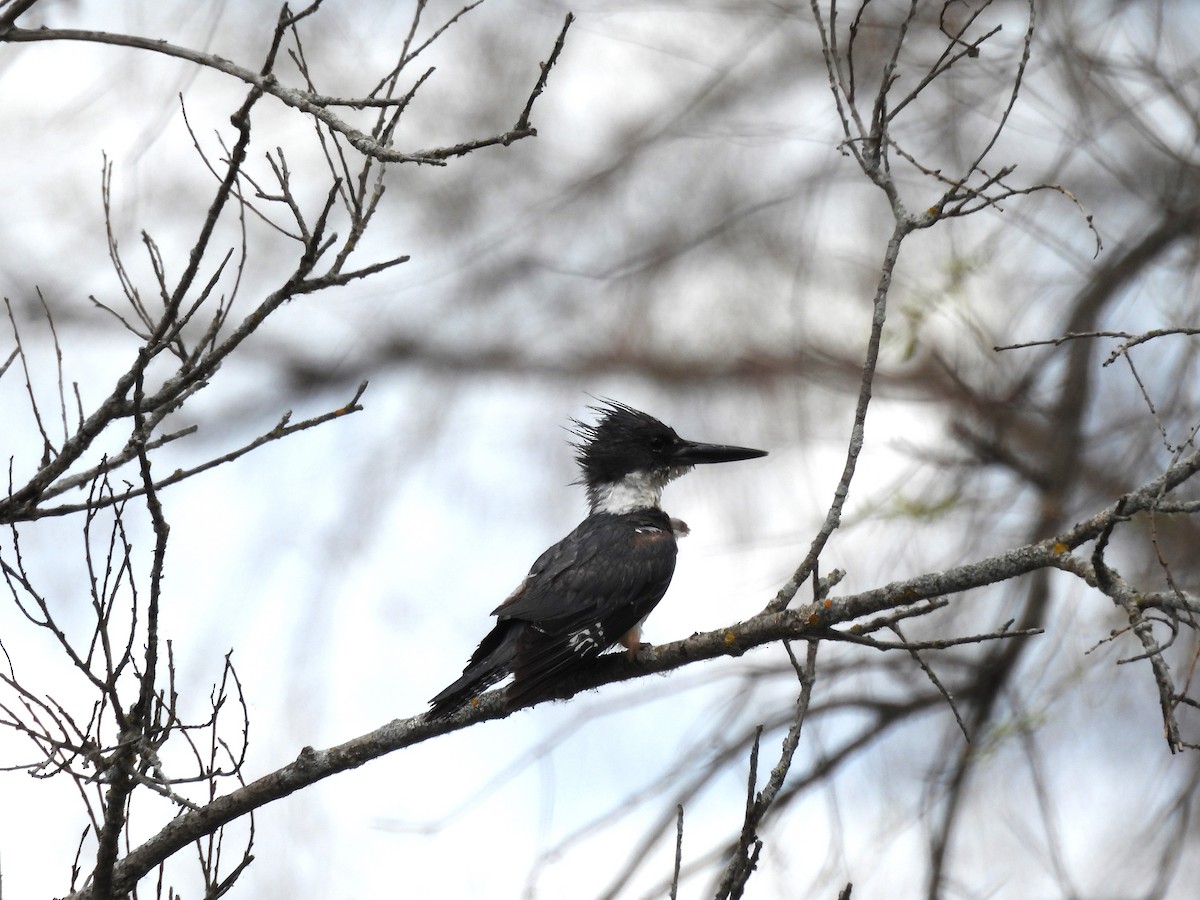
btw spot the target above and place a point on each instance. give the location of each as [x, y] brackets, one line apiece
[595, 587]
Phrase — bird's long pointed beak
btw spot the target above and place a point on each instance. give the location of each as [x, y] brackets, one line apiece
[691, 453]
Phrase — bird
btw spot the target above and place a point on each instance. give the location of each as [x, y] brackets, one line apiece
[595, 587]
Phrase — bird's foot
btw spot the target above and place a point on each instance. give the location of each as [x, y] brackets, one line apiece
[643, 653]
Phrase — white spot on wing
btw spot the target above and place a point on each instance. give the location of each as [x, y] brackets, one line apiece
[587, 640]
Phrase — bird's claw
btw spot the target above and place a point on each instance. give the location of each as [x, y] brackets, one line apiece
[644, 653]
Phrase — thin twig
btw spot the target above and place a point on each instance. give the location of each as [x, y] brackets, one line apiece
[678, 851]
[745, 854]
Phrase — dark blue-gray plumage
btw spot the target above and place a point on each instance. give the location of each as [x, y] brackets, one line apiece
[593, 588]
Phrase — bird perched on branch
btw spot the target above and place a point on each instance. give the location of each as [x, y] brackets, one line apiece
[595, 587]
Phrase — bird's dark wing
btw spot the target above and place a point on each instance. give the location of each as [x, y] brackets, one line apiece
[573, 551]
[492, 659]
[585, 593]
[578, 599]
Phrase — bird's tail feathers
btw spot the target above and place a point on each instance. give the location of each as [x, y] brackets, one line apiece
[490, 662]
[537, 671]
